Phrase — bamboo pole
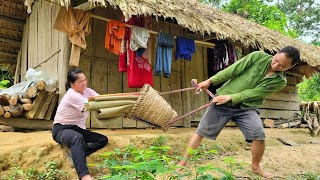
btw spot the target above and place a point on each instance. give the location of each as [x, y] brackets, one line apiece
[201, 43]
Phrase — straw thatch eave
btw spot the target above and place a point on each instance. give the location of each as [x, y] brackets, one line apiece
[204, 19]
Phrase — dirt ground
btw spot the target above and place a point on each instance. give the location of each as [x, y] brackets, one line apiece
[34, 149]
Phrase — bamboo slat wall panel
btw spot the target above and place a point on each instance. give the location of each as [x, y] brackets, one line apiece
[282, 104]
[40, 40]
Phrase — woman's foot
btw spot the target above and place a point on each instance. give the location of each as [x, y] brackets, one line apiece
[262, 173]
[86, 177]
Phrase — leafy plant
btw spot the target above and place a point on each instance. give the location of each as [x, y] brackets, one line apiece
[307, 176]
[52, 172]
[5, 84]
[17, 173]
[309, 89]
[156, 163]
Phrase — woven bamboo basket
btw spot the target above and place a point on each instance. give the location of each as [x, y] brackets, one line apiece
[152, 108]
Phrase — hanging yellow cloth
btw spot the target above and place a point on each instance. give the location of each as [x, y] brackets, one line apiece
[77, 24]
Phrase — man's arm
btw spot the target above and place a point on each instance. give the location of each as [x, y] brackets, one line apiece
[236, 68]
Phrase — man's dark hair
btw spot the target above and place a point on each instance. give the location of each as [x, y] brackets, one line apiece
[72, 76]
[293, 53]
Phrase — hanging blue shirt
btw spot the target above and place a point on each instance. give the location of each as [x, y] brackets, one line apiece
[184, 48]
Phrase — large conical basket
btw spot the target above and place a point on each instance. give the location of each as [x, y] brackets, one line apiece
[152, 108]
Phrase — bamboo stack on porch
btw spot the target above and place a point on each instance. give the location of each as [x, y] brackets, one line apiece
[34, 103]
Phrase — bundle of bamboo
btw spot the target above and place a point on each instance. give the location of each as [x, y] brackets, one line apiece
[34, 103]
[112, 105]
[147, 106]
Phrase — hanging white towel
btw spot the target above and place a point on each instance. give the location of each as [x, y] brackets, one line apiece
[139, 38]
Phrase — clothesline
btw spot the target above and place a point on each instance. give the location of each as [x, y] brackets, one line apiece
[203, 43]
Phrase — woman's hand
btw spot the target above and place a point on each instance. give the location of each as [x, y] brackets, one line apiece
[203, 85]
[221, 99]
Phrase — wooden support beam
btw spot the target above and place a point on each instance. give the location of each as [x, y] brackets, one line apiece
[10, 40]
[85, 6]
[210, 37]
[12, 20]
[23, 123]
[10, 55]
[8, 60]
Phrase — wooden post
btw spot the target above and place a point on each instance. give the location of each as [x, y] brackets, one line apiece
[64, 45]
[18, 69]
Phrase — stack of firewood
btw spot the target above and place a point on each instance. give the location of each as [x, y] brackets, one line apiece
[16, 105]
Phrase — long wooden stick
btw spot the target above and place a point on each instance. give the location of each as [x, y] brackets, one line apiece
[185, 115]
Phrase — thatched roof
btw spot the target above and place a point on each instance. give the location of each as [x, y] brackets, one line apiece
[204, 19]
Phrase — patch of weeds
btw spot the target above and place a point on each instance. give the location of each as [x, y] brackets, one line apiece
[306, 176]
[219, 148]
[52, 172]
[15, 173]
[159, 141]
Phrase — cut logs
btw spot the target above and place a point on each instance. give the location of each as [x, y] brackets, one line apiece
[27, 106]
[13, 99]
[40, 85]
[34, 103]
[31, 92]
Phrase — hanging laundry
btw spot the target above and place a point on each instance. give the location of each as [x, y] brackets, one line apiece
[235, 55]
[164, 54]
[124, 46]
[77, 24]
[123, 56]
[226, 59]
[184, 48]
[139, 40]
[140, 72]
[139, 69]
[239, 52]
[114, 34]
[223, 55]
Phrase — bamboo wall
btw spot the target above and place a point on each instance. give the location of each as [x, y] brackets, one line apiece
[282, 104]
[101, 68]
[42, 43]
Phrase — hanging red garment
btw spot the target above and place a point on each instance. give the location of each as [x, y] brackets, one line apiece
[114, 35]
[139, 71]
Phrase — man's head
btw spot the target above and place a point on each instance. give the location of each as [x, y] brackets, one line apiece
[285, 59]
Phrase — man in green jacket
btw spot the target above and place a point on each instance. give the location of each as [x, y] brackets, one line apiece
[246, 83]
